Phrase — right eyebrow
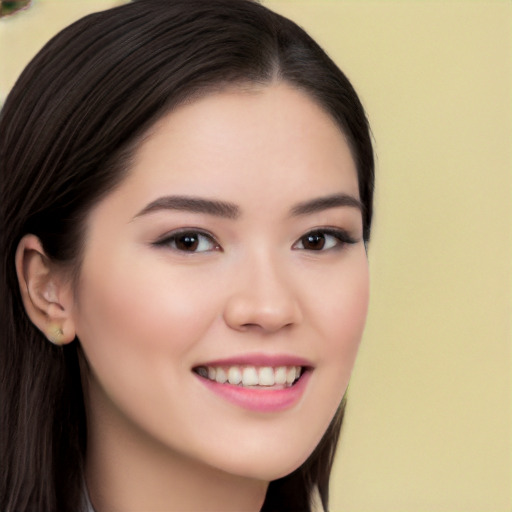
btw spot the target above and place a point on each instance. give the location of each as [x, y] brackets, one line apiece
[324, 203]
[194, 205]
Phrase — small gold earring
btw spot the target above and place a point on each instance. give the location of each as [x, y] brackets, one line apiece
[56, 335]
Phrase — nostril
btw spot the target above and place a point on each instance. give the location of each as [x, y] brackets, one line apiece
[264, 326]
[248, 326]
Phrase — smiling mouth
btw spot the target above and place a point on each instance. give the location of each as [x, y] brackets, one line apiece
[255, 377]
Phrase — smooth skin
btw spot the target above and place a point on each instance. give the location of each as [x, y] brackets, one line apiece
[150, 305]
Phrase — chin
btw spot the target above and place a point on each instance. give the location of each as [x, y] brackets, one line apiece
[266, 464]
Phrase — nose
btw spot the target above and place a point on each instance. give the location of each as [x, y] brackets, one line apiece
[262, 298]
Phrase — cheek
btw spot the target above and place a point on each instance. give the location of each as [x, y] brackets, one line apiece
[136, 319]
[348, 312]
[139, 326]
[341, 303]
[340, 309]
[146, 305]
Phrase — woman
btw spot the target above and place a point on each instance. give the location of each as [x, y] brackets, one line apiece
[186, 202]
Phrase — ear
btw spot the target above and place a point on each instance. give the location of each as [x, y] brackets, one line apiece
[46, 291]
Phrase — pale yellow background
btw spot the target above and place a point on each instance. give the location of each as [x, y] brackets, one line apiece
[429, 422]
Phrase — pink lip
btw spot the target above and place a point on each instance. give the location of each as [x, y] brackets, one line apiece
[259, 400]
[260, 360]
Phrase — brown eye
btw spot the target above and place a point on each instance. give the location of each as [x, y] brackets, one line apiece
[324, 240]
[313, 242]
[189, 241]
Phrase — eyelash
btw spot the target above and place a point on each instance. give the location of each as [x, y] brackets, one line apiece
[171, 239]
[340, 236]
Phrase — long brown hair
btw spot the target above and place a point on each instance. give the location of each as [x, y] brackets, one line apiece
[67, 132]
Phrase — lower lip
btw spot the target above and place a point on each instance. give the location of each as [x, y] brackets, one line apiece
[260, 400]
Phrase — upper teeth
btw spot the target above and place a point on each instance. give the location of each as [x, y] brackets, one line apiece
[251, 375]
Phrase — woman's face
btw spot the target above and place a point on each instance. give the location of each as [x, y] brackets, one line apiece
[234, 250]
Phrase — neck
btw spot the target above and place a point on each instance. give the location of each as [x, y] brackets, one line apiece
[128, 471]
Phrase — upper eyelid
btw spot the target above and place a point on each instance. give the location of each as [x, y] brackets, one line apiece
[344, 236]
[181, 231]
[164, 242]
[330, 230]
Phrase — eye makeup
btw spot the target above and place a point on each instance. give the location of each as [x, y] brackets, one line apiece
[323, 239]
[189, 240]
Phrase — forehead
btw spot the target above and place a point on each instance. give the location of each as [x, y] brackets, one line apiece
[274, 134]
[262, 148]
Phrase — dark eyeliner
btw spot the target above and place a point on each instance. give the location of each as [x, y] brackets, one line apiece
[340, 234]
[165, 240]
[342, 237]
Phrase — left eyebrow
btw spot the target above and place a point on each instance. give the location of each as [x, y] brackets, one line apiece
[324, 203]
[193, 205]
